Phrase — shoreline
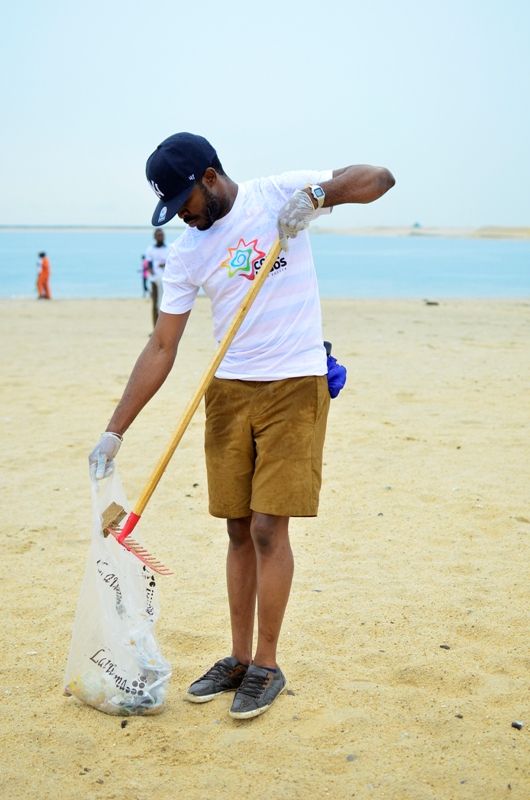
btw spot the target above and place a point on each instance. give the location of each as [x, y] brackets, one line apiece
[433, 300]
[447, 232]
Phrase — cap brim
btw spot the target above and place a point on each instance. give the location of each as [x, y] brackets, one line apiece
[167, 209]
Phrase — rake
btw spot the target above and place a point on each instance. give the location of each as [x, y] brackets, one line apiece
[115, 513]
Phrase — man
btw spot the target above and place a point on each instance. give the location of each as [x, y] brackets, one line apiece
[267, 406]
[156, 256]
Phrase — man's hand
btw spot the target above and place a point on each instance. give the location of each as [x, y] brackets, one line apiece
[101, 459]
[295, 216]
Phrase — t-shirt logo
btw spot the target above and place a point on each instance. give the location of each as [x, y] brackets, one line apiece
[243, 259]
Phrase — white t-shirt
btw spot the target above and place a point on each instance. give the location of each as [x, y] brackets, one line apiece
[158, 257]
[281, 336]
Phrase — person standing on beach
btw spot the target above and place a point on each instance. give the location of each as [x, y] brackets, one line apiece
[156, 255]
[43, 277]
[145, 271]
[267, 406]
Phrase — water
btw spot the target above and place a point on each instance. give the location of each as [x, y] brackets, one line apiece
[106, 263]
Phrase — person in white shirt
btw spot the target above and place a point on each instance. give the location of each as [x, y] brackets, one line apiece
[156, 256]
[267, 405]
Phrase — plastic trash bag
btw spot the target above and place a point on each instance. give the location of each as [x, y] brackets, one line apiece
[115, 664]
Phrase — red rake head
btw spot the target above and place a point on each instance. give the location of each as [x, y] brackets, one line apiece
[111, 518]
[141, 553]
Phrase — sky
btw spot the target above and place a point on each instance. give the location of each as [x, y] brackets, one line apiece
[437, 92]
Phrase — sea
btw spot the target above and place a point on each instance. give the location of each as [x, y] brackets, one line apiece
[106, 263]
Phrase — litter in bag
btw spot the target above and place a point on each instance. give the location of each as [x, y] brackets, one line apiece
[115, 664]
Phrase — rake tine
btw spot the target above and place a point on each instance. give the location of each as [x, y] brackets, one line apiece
[154, 564]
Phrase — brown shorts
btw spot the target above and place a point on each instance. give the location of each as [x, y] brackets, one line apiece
[263, 444]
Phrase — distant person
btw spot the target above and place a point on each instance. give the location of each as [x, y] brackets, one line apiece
[156, 255]
[43, 277]
[145, 276]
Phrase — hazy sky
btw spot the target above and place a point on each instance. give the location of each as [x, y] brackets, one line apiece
[437, 91]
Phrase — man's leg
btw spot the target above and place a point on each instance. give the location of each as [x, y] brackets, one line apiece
[264, 681]
[241, 584]
[227, 674]
[275, 567]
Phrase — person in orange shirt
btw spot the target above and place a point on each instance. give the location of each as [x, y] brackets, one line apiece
[43, 277]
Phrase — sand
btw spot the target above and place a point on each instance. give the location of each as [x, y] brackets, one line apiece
[406, 638]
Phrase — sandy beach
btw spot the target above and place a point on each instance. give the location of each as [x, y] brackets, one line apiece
[405, 643]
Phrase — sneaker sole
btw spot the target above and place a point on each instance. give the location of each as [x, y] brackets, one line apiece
[256, 711]
[204, 698]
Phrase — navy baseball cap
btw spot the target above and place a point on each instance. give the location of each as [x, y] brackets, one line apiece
[173, 170]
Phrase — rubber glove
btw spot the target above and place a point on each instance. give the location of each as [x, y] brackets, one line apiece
[101, 459]
[295, 216]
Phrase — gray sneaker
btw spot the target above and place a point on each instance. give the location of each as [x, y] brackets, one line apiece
[259, 689]
[225, 676]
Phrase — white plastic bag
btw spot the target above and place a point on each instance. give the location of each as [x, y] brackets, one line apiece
[115, 663]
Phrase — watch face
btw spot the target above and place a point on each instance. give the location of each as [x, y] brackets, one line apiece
[318, 192]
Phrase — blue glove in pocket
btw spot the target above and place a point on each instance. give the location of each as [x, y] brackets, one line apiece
[336, 373]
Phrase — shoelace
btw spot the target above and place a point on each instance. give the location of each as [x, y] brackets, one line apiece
[253, 684]
[218, 670]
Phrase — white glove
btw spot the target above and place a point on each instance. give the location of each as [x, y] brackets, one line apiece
[295, 216]
[101, 459]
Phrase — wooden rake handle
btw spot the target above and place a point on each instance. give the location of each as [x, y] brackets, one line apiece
[225, 343]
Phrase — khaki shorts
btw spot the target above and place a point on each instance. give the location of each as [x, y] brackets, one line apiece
[263, 444]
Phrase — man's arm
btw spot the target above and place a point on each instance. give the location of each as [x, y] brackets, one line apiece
[360, 183]
[150, 371]
[356, 184]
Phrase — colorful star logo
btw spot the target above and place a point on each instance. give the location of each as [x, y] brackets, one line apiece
[242, 259]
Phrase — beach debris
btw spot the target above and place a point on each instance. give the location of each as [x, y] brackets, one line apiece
[290, 692]
[123, 723]
[195, 485]
[111, 518]
[518, 725]
[445, 647]
[380, 514]
[459, 716]
[431, 302]
[316, 590]
[351, 757]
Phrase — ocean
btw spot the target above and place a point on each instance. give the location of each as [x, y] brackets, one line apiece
[106, 263]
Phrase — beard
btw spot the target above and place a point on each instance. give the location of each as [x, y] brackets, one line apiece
[213, 208]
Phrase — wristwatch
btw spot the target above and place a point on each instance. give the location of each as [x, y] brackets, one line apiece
[318, 194]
